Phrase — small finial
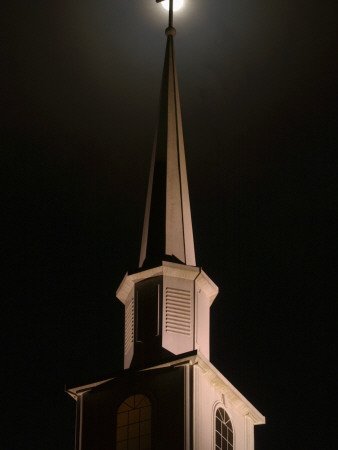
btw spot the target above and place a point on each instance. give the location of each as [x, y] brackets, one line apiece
[170, 31]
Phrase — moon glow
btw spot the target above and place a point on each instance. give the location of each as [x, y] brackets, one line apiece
[177, 4]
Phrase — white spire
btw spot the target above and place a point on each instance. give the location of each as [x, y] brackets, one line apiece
[167, 229]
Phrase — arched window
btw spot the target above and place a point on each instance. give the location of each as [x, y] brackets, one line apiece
[224, 437]
[133, 427]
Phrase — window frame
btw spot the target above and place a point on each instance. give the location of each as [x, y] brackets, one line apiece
[217, 407]
[129, 422]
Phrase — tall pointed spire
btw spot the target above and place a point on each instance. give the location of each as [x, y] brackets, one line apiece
[167, 229]
[167, 302]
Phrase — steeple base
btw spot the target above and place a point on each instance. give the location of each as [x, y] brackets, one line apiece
[167, 311]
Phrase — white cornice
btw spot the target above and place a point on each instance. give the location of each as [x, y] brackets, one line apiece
[232, 394]
[169, 269]
[76, 391]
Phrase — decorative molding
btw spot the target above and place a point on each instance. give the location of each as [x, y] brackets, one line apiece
[129, 327]
[233, 396]
[169, 269]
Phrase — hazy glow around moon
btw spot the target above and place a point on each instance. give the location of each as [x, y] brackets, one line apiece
[177, 4]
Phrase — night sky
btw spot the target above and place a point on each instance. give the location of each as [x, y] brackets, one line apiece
[80, 89]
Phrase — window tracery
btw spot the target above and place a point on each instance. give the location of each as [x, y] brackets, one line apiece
[224, 436]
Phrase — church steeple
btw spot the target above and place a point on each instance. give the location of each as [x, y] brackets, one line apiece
[167, 302]
[167, 230]
[170, 396]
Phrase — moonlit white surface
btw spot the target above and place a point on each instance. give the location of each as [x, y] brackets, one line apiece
[177, 4]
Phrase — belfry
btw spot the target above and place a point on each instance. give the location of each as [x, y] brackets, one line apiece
[169, 396]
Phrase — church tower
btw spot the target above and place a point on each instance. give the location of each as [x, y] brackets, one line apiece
[169, 396]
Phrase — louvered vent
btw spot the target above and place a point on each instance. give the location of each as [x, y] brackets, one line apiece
[129, 327]
[178, 311]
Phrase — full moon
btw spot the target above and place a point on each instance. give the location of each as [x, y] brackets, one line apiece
[177, 4]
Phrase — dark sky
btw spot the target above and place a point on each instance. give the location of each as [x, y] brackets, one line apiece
[80, 94]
